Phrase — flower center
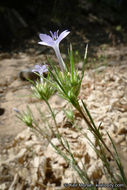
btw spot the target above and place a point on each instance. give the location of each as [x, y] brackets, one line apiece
[54, 35]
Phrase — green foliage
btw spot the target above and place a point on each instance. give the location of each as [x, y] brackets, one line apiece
[42, 90]
[26, 117]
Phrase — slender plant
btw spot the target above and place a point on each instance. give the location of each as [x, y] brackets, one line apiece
[67, 83]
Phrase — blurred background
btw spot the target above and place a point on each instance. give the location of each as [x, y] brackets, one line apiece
[97, 21]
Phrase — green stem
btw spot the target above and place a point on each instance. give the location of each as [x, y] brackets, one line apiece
[53, 115]
[59, 136]
[94, 130]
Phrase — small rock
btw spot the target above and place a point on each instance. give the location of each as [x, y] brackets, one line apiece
[95, 171]
[80, 66]
[87, 158]
[122, 130]
[3, 186]
[1, 90]
[60, 117]
[99, 69]
[124, 144]
[2, 110]
[120, 139]
[112, 63]
[55, 141]
[28, 74]
[123, 121]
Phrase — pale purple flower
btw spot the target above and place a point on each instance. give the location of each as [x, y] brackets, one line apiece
[40, 69]
[53, 41]
[16, 110]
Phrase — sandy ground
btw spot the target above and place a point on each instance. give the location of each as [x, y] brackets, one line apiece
[14, 92]
[104, 89]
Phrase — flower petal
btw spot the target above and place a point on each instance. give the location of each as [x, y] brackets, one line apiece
[34, 70]
[52, 34]
[62, 36]
[44, 67]
[40, 69]
[50, 44]
[37, 66]
[45, 38]
[44, 43]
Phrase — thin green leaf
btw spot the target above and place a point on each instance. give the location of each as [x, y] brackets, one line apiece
[72, 63]
[88, 113]
[118, 162]
[85, 60]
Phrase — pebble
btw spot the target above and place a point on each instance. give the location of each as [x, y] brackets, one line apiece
[28, 74]
[122, 130]
[120, 139]
[2, 110]
[60, 117]
[99, 69]
[80, 66]
[123, 120]
[112, 63]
